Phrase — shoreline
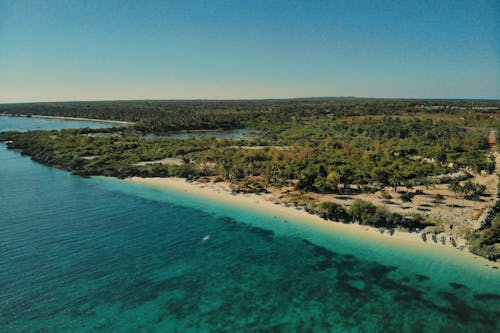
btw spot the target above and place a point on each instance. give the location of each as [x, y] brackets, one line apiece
[267, 204]
[72, 118]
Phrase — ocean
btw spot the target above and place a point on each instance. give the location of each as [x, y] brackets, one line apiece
[103, 255]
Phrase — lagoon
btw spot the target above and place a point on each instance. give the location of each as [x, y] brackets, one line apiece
[22, 124]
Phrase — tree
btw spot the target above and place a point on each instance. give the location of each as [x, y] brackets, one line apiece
[332, 211]
[381, 175]
[361, 210]
[333, 180]
[473, 190]
[406, 197]
[438, 198]
[395, 180]
[455, 188]
[344, 176]
[385, 195]
[321, 185]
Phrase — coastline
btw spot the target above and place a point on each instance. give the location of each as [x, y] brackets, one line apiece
[121, 122]
[86, 119]
[266, 203]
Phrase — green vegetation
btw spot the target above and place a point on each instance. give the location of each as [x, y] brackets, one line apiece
[321, 156]
[406, 197]
[304, 148]
[470, 190]
[486, 241]
[333, 211]
[164, 116]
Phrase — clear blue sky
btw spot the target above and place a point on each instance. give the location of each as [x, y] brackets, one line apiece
[94, 50]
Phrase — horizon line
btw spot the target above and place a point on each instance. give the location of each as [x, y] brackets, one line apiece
[255, 99]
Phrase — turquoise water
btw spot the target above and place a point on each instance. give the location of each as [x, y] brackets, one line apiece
[102, 255]
[25, 124]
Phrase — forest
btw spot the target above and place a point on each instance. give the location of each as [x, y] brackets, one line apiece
[170, 115]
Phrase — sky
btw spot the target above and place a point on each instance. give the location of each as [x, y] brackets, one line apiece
[107, 50]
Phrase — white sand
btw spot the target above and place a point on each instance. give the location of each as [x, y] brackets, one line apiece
[165, 161]
[266, 203]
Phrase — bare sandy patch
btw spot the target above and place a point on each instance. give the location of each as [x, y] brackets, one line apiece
[165, 161]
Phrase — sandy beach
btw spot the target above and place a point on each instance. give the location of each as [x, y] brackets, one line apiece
[86, 119]
[267, 203]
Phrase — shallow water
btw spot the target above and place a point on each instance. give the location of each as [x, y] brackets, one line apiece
[24, 124]
[87, 255]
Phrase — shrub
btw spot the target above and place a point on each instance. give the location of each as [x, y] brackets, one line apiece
[438, 198]
[406, 197]
[332, 211]
[385, 195]
[361, 210]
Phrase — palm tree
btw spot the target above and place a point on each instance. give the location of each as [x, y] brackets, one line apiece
[455, 188]
[395, 180]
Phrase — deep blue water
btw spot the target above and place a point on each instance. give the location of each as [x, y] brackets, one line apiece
[102, 255]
